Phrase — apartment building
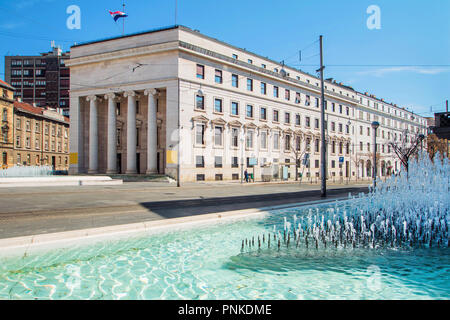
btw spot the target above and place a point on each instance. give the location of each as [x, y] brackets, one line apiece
[42, 80]
[177, 102]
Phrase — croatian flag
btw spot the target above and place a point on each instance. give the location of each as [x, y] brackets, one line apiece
[118, 14]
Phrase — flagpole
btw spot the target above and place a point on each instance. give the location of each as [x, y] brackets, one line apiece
[123, 25]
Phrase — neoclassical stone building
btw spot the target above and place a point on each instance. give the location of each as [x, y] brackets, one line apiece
[176, 102]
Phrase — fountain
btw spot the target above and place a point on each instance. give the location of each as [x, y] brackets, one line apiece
[403, 212]
[26, 171]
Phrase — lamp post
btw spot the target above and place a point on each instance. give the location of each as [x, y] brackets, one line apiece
[375, 126]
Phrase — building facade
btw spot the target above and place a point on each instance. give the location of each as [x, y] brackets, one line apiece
[6, 126]
[42, 80]
[176, 102]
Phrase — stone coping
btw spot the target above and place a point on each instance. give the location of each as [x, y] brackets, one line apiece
[22, 246]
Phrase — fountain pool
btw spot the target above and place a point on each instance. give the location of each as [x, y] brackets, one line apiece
[208, 262]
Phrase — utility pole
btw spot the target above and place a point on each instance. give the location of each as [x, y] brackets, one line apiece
[323, 156]
[446, 105]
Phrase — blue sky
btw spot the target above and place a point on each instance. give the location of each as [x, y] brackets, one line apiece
[406, 62]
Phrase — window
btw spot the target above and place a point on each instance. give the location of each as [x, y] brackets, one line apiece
[234, 108]
[200, 102]
[297, 97]
[333, 107]
[200, 134]
[276, 141]
[264, 140]
[333, 164]
[287, 94]
[347, 129]
[218, 162]
[36, 127]
[218, 76]
[137, 137]
[199, 161]
[297, 120]
[287, 117]
[275, 91]
[333, 126]
[250, 61]
[298, 145]
[308, 122]
[235, 80]
[263, 113]
[333, 147]
[249, 111]
[118, 108]
[263, 66]
[287, 142]
[317, 102]
[218, 105]
[368, 131]
[308, 101]
[249, 84]
[218, 136]
[340, 127]
[341, 147]
[200, 71]
[36, 143]
[28, 125]
[263, 88]
[234, 162]
[235, 56]
[5, 115]
[316, 123]
[316, 145]
[347, 110]
[249, 140]
[18, 141]
[235, 137]
[340, 108]
[275, 116]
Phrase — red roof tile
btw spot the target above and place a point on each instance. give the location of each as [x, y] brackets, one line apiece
[4, 84]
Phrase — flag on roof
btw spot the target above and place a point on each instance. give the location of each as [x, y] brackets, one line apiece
[118, 14]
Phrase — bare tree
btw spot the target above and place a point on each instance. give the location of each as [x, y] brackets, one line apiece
[357, 162]
[406, 147]
[297, 154]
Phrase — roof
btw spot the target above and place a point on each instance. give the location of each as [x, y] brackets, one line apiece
[6, 85]
[28, 108]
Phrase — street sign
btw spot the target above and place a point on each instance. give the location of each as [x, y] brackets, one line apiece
[252, 161]
[341, 159]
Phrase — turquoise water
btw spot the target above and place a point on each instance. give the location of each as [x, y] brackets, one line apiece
[207, 263]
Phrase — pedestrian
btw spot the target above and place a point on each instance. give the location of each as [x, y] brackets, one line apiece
[246, 175]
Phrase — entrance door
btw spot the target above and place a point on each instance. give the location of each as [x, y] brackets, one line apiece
[119, 163]
[158, 167]
[54, 162]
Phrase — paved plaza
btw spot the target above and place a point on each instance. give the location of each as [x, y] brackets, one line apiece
[30, 211]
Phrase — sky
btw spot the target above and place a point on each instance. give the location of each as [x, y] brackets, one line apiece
[405, 61]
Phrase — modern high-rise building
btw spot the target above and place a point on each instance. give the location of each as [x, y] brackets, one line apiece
[177, 102]
[42, 80]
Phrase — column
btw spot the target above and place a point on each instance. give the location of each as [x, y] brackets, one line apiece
[111, 164]
[152, 143]
[93, 135]
[76, 136]
[131, 132]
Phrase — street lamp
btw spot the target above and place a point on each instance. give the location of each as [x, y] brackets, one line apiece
[375, 126]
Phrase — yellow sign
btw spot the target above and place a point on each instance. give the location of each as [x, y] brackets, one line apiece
[172, 157]
[73, 158]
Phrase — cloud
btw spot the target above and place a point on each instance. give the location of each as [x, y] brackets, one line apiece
[420, 70]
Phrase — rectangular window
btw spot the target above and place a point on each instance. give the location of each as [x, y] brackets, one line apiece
[235, 56]
[218, 105]
[316, 145]
[199, 161]
[287, 142]
[118, 108]
[218, 76]
[308, 101]
[287, 94]
[249, 84]
[218, 162]
[308, 122]
[333, 126]
[234, 162]
[340, 127]
[249, 111]
[317, 102]
[297, 97]
[234, 108]
[275, 91]
[235, 137]
[333, 107]
[235, 80]
[316, 123]
[287, 118]
[200, 134]
[200, 102]
[263, 113]
[218, 136]
[340, 108]
[263, 140]
[276, 141]
[263, 88]
[297, 120]
[200, 71]
[249, 140]
[275, 116]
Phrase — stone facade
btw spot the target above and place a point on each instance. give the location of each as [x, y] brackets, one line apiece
[6, 125]
[196, 108]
